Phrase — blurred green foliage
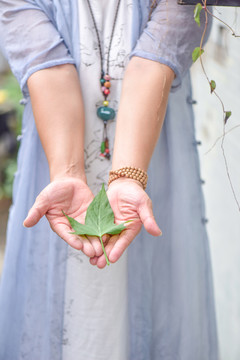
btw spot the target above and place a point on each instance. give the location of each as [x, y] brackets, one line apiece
[8, 164]
[8, 175]
[14, 95]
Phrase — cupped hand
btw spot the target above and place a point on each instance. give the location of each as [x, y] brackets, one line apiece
[73, 196]
[129, 202]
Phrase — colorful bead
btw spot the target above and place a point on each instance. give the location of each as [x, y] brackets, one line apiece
[105, 103]
[106, 91]
[103, 89]
[107, 77]
[102, 81]
[106, 144]
[107, 84]
[103, 147]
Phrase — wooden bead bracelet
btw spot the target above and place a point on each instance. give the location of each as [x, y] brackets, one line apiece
[131, 173]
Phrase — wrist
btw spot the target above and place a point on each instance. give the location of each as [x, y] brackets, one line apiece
[72, 170]
[125, 181]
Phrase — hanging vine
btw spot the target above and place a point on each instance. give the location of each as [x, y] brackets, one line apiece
[197, 53]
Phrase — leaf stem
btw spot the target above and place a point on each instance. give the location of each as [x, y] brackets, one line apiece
[108, 263]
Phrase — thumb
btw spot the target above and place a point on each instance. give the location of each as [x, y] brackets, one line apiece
[147, 218]
[37, 211]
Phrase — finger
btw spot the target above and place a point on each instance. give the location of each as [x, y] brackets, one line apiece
[87, 247]
[101, 261]
[74, 241]
[38, 210]
[93, 260]
[96, 244]
[125, 238]
[105, 239]
[148, 220]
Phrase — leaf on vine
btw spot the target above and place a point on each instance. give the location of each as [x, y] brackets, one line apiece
[197, 12]
[197, 52]
[227, 116]
[99, 220]
[212, 85]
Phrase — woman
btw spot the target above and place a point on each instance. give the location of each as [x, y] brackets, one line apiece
[156, 302]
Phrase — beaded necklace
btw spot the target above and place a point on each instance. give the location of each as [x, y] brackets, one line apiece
[105, 113]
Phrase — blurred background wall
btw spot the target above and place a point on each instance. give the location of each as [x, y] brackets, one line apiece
[222, 62]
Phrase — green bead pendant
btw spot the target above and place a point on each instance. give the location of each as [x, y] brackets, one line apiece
[106, 113]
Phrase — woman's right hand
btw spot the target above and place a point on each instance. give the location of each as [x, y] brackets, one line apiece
[129, 202]
[73, 196]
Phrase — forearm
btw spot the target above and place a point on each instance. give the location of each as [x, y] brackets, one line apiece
[59, 115]
[141, 112]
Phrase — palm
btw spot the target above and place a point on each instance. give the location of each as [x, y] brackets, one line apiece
[129, 202]
[73, 197]
[125, 201]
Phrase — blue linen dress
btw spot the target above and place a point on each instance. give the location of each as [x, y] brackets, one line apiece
[160, 302]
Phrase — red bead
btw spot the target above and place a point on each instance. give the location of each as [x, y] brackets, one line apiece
[106, 92]
[107, 77]
[107, 151]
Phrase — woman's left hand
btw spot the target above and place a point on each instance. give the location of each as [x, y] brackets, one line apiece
[129, 202]
[73, 196]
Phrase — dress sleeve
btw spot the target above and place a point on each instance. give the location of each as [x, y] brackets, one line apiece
[29, 39]
[170, 36]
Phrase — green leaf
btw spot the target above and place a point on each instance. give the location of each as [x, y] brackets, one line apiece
[197, 12]
[227, 116]
[99, 220]
[197, 52]
[212, 85]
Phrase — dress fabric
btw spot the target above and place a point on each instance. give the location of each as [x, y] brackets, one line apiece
[157, 302]
[85, 335]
